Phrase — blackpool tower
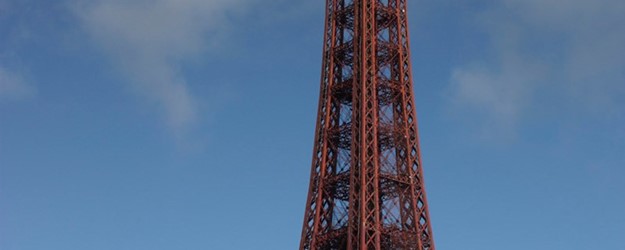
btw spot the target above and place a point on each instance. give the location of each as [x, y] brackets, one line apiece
[366, 187]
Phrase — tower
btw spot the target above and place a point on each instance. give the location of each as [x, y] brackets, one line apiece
[366, 187]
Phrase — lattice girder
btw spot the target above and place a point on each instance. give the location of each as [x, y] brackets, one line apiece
[366, 187]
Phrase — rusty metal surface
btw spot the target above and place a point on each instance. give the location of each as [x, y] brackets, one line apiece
[366, 186]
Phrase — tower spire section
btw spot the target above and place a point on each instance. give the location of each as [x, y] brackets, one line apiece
[366, 188]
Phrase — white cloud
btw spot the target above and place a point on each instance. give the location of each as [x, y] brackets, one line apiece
[499, 94]
[575, 47]
[149, 39]
[13, 86]
[4, 6]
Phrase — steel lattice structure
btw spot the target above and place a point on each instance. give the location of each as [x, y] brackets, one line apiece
[366, 187]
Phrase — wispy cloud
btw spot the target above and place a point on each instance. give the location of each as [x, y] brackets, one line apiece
[149, 40]
[498, 93]
[575, 48]
[4, 7]
[13, 86]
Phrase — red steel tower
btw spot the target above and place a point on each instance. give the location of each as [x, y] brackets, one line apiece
[366, 186]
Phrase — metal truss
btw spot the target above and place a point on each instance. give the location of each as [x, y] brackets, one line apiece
[366, 187]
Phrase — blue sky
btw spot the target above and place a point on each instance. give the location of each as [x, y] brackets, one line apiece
[188, 124]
